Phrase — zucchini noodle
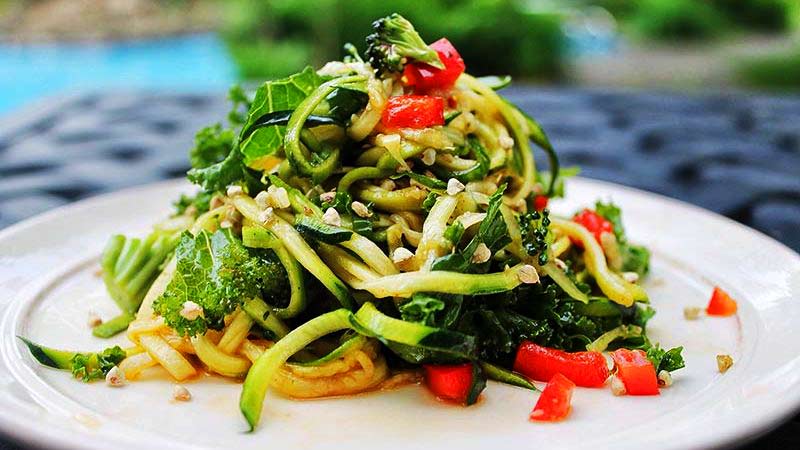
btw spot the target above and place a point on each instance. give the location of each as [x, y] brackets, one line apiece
[359, 222]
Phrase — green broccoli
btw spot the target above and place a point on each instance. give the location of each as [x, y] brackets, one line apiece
[218, 273]
[394, 42]
[130, 265]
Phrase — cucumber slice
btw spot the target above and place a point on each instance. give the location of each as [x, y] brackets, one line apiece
[506, 376]
[321, 231]
[353, 343]
[50, 357]
[114, 326]
[265, 317]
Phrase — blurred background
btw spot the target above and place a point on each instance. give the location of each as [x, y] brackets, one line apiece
[46, 46]
[695, 99]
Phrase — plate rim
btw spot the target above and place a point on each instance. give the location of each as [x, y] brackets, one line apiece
[19, 430]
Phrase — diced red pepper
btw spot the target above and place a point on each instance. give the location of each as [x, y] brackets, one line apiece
[413, 111]
[595, 223]
[721, 304]
[424, 77]
[450, 382]
[635, 371]
[555, 402]
[586, 369]
[540, 202]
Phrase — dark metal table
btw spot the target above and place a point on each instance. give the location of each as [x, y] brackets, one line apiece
[734, 153]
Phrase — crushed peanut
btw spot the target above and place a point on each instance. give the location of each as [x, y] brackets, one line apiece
[360, 209]
[234, 190]
[454, 186]
[401, 257]
[724, 362]
[664, 378]
[280, 198]
[482, 254]
[191, 310]
[617, 386]
[93, 320]
[226, 224]
[180, 393]
[429, 156]
[115, 377]
[692, 312]
[560, 264]
[262, 199]
[327, 196]
[630, 277]
[528, 275]
[506, 141]
[331, 217]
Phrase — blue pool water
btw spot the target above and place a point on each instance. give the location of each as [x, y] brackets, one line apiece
[188, 63]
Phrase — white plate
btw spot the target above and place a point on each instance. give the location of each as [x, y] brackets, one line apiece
[48, 285]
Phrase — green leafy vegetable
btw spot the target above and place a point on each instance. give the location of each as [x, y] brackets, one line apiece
[421, 309]
[211, 145]
[218, 273]
[668, 360]
[95, 366]
[394, 42]
[534, 227]
[278, 95]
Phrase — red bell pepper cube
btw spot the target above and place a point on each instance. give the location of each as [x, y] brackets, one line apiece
[413, 111]
[555, 402]
[425, 78]
[586, 369]
[635, 371]
[461, 383]
[540, 202]
[721, 304]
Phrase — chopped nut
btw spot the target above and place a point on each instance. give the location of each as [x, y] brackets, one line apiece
[388, 185]
[617, 386]
[664, 379]
[226, 224]
[180, 393]
[692, 312]
[506, 141]
[724, 362]
[429, 156]
[265, 215]
[331, 217]
[327, 196]
[360, 209]
[93, 320]
[528, 275]
[191, 310]
[560, 264]
[115, 377]
[234, 190]
[401, 257]
[454, 186]
[630, 277]
[482, 254]
[280, 198]
[262, 199]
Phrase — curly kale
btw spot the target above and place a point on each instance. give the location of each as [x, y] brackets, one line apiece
[217, 272]
[95, 366]
[394, 42]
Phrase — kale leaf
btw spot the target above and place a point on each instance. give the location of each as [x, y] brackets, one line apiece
[219, 273]
[278, 95]
[668, 360]
[211, 145]
[421, 308]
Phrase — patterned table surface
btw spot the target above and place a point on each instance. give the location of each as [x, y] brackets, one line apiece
[734, 153]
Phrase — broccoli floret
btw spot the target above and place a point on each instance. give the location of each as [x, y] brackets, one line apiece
[130, 265]
[394, 42]
[218, 273]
